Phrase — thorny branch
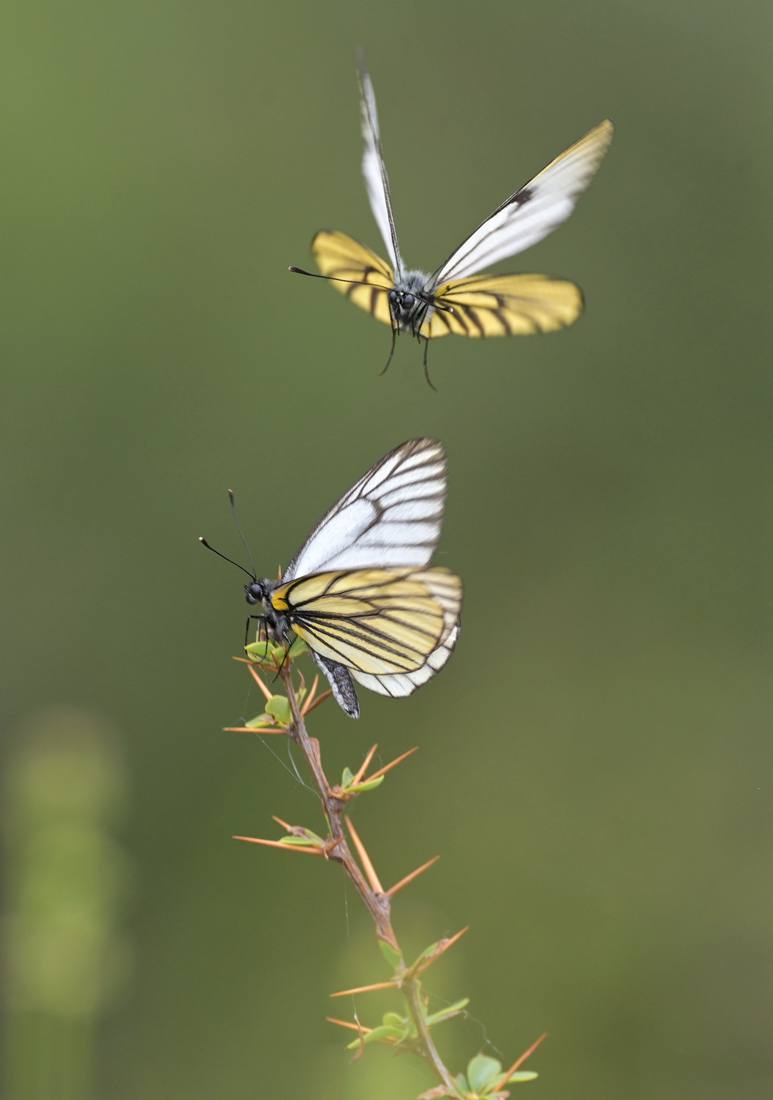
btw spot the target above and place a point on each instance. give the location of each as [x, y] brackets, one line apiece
[378, 903]
[287, 716]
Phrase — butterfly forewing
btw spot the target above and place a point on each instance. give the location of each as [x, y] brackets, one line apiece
[374, 170]
[356, 272]
[377, 622]
[391, 517]
[503, 305]
[531, 212]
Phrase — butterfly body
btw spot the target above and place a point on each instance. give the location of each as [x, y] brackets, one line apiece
[409, 302]
[278, 624]
[459, 297]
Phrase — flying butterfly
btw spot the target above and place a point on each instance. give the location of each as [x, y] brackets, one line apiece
[360, 592]
[455, 298]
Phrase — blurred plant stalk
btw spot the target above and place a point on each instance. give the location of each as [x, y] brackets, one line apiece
[66, 959]
[411, 1030]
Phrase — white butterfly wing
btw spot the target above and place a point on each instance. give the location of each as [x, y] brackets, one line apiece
[374, 171]
[533, 211]
[391, 517]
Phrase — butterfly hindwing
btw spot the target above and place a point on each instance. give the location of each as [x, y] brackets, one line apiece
[366, 279]
[375, 622]
[503, 305]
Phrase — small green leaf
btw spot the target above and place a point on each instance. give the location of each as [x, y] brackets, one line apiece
[259, 651]
[261, 720]
[382, 1034]
[394, 1019]
[448, 1013]
[521, 1076]
[392, 956]
[483, 1071]
[347, 775]
[308, 840]
[367, 785]
[461, 1083]
[278, 706]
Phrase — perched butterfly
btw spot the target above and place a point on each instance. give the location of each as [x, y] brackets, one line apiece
[455, 298]
[360, 592]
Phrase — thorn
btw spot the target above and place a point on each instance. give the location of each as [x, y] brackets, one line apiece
[398, 886]
[348, 1024]
[254, 729]
[424, 963]
[310, 697]
[393, 763]
[317, 702]
[519, 1062]
[256, 677]
[364, 765]
[443, 946]
[285, 826]
[365, 989]
[449, 943]
[279, 844]
[370, 870]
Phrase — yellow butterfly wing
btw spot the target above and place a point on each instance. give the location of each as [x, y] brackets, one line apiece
[503, 305]
[376, 622]
[367, 279]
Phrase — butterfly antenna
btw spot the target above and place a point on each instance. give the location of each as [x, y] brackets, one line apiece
[337, 279]
[391, 350]
[240, 529]
[225, 557]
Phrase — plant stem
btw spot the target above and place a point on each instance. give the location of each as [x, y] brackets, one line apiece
[378, 904]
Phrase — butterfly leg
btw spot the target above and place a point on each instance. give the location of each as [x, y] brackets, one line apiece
[288, 646]
[426, 365]
[391, 350]
[261, 619]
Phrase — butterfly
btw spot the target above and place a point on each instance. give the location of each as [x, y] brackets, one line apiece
[455, 298]
[360, 592]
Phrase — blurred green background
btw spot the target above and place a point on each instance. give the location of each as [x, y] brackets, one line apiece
[595, 763]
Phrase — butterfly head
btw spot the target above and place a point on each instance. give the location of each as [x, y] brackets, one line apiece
[258, 591]
[407, 302]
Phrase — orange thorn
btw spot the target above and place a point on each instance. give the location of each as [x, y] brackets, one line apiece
[393, 763]
[259, 682]
[365, 989]
[364, 765]
[370, 870]
[284, 824]
[519, 1062]
[398, 886]
[317, 702]
[312, 692]
[449, 943]
[348, 1023]
[442, 946]
[279, 844]
[254, 729]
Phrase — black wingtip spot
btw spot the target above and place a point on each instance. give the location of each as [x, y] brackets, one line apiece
[522, 196]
